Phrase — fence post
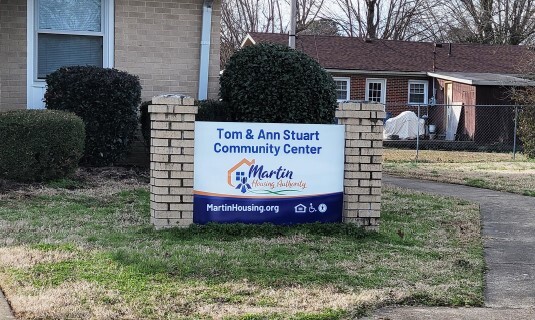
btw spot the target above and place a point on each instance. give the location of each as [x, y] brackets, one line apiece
[418, 135]
[514, 136]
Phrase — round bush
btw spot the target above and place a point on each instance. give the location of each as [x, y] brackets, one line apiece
[273, 83]
[40, 145]
[106, 100]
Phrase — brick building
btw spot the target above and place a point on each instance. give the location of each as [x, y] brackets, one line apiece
[404, 75]
[172, 45]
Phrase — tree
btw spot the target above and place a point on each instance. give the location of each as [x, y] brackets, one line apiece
[239, 17]
[307, 12]
[489, 21]
[321, 27]
[384, 19]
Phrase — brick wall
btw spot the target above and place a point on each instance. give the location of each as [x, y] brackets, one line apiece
[159, 42]
[12, 54]
[397, 90]
[172, 155]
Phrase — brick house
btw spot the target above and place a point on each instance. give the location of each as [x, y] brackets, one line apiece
[404, 74]
[172, 45]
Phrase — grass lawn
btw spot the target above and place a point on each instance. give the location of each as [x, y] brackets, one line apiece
[496, 171]
[89, 252]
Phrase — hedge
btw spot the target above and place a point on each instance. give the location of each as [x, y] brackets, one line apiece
[40, 145]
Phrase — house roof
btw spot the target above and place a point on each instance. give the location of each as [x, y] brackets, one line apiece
[483, 79]
[352, 54]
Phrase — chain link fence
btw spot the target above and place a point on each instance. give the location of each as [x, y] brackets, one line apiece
[454, 127]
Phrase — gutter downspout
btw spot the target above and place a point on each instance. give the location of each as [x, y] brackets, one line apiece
[204, 62]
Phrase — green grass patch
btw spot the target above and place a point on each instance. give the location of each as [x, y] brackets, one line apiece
[478, 183]
[102, 253]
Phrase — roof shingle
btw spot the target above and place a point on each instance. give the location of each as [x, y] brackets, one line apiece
[345, 53]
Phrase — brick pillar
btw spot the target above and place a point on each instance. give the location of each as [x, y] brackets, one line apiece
[363, 161]
[171, 160]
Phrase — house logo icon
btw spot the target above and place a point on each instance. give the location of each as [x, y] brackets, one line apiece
[237, 173]
[300, 208]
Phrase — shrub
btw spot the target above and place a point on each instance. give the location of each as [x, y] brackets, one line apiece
[209, 110]
[39, 145]
[526, 130]
[213, 110]
[526, 119]
[144, 120]
[273, 83]
[106, 100]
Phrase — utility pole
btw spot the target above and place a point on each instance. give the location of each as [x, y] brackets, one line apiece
[293, 9]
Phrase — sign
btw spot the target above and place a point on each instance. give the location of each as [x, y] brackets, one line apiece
[268, 172]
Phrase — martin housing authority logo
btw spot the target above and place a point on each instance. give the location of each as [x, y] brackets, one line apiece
[249, 177]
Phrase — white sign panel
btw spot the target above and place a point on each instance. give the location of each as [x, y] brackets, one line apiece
[267, 172]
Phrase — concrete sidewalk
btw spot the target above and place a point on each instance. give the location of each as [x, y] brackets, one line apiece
[5, 310]
[508, 222]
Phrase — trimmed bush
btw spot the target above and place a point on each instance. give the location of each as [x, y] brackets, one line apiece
[213, 110]
[106, 100]
[40, 145]
[273, 83]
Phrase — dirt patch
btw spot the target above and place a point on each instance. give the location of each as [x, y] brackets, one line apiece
[86, 181]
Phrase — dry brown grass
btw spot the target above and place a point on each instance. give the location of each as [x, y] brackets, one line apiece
[83, 300]
[437, 156]
[25, 257]
[71, 300]
[94, 182]
[486, 170]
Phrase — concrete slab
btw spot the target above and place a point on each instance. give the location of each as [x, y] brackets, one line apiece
[413, 313]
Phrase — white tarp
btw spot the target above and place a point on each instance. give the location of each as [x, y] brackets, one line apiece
[453, 114]
[405, 126]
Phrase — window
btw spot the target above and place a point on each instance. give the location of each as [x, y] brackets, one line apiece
[65, 33]
[376, 90]
[342, 89]
[417, 92]
[68, 32]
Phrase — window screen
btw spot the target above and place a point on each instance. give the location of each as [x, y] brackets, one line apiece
[69, 33]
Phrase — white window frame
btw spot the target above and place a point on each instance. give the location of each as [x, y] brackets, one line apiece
[348, 91]
[375, 80]
[35, 88]
[426, 89]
